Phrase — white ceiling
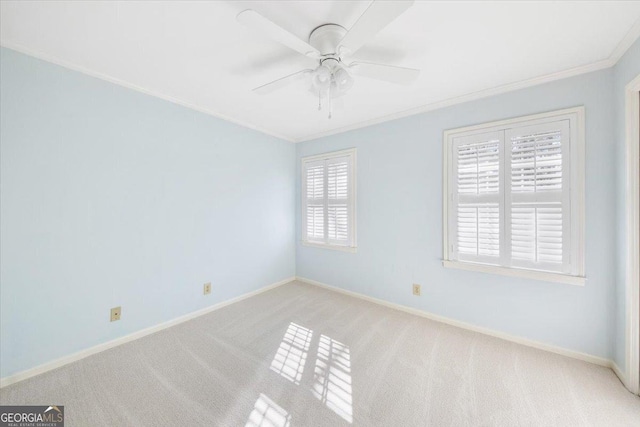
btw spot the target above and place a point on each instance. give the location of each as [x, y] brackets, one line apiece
[197, 54]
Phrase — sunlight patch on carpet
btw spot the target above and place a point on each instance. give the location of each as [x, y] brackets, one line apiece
[332, 377]
[267, 413]
[291, 356]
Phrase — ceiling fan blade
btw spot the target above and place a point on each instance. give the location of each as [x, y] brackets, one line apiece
[281, 82]
[377, 16]
[253, 19]
[387, 73]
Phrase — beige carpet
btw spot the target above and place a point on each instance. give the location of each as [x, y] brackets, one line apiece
[300, 355]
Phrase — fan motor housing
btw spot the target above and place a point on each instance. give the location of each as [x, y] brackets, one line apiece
[326, 37]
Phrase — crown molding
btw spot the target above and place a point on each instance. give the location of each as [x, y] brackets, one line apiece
[632, 35]
[600, 65]
[626, 42]
[71, 66]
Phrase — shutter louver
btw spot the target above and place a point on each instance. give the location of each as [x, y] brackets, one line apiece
[337, 174]
[536, 162]
[478, 168]
[479, 229]
[338, 222]
[315, 182]
[315, 222]
[536, 233]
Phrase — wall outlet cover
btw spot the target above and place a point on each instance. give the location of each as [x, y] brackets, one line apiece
[116, 312]
[416, 289]
[207, 288]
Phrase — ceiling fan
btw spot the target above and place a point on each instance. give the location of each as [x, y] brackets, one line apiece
[332, 45]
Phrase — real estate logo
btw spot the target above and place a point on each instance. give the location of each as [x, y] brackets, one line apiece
[32, 416]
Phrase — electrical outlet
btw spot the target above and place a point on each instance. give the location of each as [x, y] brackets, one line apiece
[416, 289]
[207, 288]
[115, 313]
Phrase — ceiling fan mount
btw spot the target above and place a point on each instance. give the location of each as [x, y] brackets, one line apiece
[331, 45]
[325, 38]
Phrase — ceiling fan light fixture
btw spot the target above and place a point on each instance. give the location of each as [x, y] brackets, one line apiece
[330, 44]
[321, 78]
[343, 80]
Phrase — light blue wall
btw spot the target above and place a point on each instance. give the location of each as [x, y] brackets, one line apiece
[110, 197]
[399, 214]
[625, 70]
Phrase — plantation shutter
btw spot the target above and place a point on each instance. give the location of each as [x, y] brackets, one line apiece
[314, 200]
[338, 200]
[477, 197]
[328, 200]
[538, 203]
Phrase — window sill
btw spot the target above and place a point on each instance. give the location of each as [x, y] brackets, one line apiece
[332, 247]
[516, 272]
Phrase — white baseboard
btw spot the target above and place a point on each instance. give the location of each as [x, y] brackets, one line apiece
[40, 369]
[20, 376]
[508, 337]
[624, 378]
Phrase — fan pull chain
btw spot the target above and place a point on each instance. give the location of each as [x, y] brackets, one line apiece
[319, 100]
[330, 101]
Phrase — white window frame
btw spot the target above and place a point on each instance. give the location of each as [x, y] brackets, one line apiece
[576, 184]
[351, 153]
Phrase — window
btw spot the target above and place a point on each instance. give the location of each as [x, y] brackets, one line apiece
[328, 200]
[514, 197]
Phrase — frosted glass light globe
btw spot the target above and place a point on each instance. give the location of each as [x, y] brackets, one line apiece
[321, 78]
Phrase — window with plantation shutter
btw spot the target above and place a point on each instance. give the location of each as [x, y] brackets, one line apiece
[328, 200]
[514, 197]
